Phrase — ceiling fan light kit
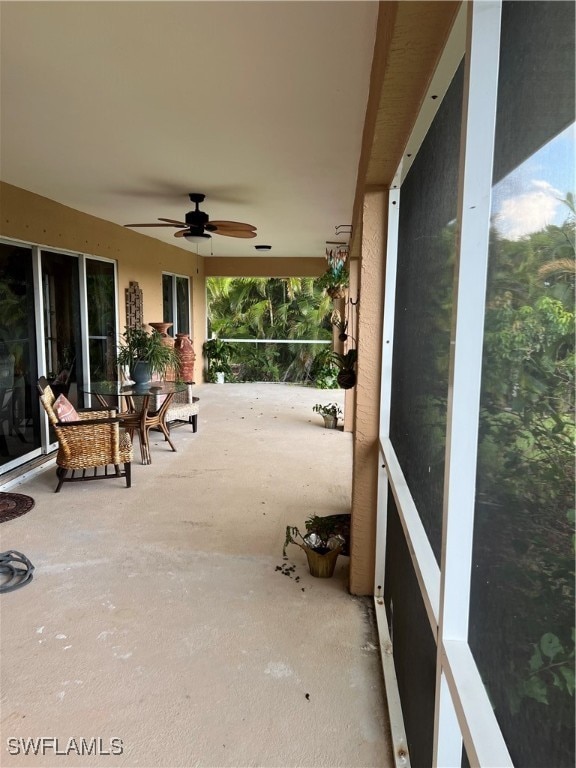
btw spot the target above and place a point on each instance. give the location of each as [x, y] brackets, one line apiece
[197, 224]
[196, 237]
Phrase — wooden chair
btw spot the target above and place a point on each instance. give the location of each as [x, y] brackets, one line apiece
[94, 441]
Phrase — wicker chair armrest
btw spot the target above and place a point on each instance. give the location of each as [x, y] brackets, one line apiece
[88, 424]
[91, 413]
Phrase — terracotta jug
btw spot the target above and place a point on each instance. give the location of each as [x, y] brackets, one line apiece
[185, 350]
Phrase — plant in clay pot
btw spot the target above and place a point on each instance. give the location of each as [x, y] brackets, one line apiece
[334, 281]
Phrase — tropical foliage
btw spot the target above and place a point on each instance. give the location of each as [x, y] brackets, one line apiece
[289, 309]
[525, 513]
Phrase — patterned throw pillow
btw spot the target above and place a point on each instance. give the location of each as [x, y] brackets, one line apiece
[64, 409]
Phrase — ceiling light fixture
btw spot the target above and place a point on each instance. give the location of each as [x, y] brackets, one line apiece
[196, 237]
[263, 247]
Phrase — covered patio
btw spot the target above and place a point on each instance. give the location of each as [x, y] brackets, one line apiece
[164, 615]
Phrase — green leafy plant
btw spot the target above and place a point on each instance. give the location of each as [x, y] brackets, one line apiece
[218, 355]
[330, 409]
[320, 536]
[334, 281]
[347, 364]
[323, 370]
[137, 345]
[550, 667]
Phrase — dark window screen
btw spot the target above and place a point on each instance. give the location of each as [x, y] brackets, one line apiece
[413, 642]
[428, 205]
[522, 600]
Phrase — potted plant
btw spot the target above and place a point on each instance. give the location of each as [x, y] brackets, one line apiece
[329, 412]
[145, 353]
[218, 355]
[347, 364]
[335, 280]
[320, 544]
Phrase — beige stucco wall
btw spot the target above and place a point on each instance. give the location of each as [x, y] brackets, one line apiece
[367, 395]
[264, 267]
[30, 218]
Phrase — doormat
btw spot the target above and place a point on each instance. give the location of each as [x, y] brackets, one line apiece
[13, 505]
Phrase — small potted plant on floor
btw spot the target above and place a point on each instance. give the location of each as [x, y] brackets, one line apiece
[145, 353]
[320, 544]
[330, 413]
[218, 356]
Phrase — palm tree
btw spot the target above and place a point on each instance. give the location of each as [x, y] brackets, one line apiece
[271, 308]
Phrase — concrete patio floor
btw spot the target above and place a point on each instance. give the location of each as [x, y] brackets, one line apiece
[158, 615]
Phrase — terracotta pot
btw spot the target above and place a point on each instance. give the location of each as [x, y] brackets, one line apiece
[185, 350]
[162, 329]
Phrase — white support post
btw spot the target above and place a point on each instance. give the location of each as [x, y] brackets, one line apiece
[474, 208]
[386, 380]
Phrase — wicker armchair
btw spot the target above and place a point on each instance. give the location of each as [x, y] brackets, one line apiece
[94, 441]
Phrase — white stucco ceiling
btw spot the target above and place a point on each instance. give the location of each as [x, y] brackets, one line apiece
[120, 109]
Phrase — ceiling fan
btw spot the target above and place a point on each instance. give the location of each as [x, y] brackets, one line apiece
[198, 227]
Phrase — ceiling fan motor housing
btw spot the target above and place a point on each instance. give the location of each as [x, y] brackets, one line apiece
[196, 219]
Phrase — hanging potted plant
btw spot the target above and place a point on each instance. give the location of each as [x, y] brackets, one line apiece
[145, 354]
[320, 544]
[347, 364]
[334, 281]
[329, 412]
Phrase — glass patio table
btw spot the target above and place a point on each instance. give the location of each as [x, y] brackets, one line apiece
[137, 415]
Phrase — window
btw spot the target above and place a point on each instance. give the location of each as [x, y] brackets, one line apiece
[101, 291]
[176, 303]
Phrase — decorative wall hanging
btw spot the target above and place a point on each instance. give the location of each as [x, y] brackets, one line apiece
[134, 306]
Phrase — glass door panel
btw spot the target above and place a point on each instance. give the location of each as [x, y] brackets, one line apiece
[19, 406]
[183, 304]
[101, 292]
[62, 327]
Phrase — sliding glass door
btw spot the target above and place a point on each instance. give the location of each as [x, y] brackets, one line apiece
[62, 325]
[58, 318]
[19, 411]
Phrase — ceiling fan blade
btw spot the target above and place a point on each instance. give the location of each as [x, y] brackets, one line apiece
[151, 225]
[181, 232]
[229, 225]
[234, 232]
[173, 221]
